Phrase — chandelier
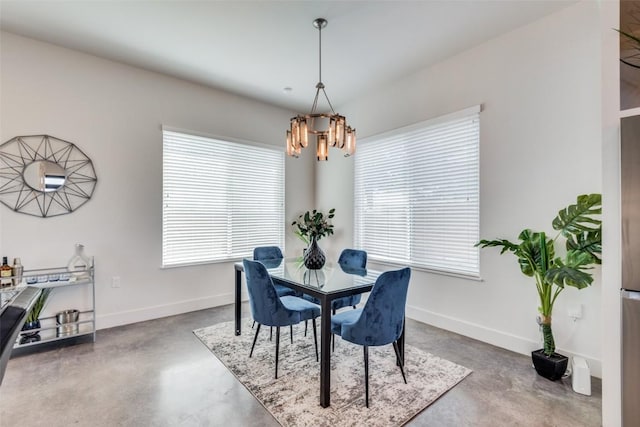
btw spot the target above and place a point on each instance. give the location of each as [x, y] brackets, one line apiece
[331, 130]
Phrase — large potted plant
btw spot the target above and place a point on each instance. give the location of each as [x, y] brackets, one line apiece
[311, 227]
[581, 229]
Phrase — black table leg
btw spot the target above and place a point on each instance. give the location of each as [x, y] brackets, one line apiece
[238, 302]
[325, 352]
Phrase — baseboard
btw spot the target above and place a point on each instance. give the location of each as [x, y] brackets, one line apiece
[148, 313]
[492, 336]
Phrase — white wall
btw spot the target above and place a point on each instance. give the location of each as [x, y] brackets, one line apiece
[114, 113]
[611, 267]
[540, 148]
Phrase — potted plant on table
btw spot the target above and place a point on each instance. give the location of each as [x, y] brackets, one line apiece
[311, 227]
[580, 227]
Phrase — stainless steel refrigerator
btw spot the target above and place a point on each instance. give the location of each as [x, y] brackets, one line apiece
[630, 294]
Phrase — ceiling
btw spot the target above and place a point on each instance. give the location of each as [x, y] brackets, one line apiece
[257, 48]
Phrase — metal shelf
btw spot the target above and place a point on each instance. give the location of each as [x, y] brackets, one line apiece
[49, 330]
[52, 339]
[61, 283]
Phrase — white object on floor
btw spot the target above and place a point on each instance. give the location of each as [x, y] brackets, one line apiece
[581, 376]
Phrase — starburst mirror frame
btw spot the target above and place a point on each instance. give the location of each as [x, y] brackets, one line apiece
[44, 176]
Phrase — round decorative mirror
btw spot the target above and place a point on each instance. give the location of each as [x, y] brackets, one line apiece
[45, 176]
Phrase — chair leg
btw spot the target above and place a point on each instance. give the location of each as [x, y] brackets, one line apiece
[305, 328]
[354, 307]
[315, 339]
[401, 364]
[291, 332]
[254, 340]
[366, 375]
[333, 342]
[277, 348]
[271, 333]
[254, 324]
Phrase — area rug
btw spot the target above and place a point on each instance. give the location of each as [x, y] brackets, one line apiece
[293, 399]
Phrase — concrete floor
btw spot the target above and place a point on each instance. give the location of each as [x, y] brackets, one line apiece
[157, 373]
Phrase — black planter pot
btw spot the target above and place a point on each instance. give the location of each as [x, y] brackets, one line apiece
[28, 337]
[551, 367]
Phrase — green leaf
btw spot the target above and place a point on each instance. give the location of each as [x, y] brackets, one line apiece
[570, 271]
[589, 242]
[578, 218]
[564, 275]
[34, 314]
[506, 245]
[534, 257]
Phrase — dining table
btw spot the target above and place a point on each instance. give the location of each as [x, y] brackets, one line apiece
[326, 284]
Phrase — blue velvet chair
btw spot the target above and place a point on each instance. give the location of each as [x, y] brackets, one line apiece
[380, 321]
[268, 309]
[269, 254]
[350, 260]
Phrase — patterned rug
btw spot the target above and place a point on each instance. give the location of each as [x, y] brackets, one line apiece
[293, 399]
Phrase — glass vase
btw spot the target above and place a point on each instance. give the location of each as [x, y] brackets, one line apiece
[314, 258]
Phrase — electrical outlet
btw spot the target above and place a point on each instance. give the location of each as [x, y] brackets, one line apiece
[115, 282]
[575, 311]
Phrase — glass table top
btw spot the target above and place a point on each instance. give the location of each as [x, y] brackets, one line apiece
[329, 279]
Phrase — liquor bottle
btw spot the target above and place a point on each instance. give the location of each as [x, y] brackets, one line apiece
[16, 271]
[5, 273]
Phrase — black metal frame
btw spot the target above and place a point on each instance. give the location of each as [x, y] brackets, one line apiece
[325, 324]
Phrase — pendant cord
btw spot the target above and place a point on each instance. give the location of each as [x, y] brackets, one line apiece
[320, 54]
[320, 85]
[319, 24]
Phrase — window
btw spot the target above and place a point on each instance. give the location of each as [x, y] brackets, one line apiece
[220, 199]
[417, 194]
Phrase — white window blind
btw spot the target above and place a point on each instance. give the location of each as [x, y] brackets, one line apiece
[417, 194]
[220, 199]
